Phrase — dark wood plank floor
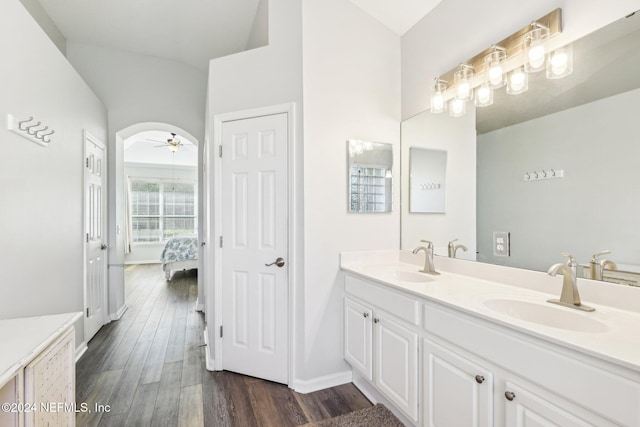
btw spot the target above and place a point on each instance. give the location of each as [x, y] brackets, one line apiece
[148, 368]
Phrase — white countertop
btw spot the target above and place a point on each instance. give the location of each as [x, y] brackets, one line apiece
[24, 338]
[615, 337]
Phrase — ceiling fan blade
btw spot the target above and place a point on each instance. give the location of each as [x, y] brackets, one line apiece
[155, 140]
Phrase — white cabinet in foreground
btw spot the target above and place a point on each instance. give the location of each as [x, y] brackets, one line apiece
[358, 337]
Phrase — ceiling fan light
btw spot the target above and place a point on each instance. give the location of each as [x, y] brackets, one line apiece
[173, 147]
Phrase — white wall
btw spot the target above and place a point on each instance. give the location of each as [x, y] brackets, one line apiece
[259, 35]
[351, 75]
[596, 144]
[137, 89]
[46, 23]
[457, 30]
[144, 253]
[41, 225]
[457, 136]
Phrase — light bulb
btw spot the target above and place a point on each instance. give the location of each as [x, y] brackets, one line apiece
[457, 108]
[518, 82]
[463, 90]
[536, 57]
[495, 74]
[560, 62]
[484, 95]
[437, 103]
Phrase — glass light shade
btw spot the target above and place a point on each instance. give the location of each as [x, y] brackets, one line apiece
[173, 148]
[535, 50]
[495, 72]
[560, 62]
[457, 107]
[438, 105]
[484, 95]
[461, 78]
[518, 82]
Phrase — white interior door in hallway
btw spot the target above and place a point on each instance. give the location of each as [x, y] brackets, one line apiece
[255, 247]
[95, 193]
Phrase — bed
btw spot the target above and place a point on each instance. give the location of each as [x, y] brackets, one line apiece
[180, 253]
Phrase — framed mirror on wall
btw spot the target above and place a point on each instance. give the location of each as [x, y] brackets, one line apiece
[369, 176]
[427, 180]
[555, 169]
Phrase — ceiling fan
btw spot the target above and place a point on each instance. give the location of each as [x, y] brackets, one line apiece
[173, 143]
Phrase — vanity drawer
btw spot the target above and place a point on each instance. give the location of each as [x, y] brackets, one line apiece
[399, 305]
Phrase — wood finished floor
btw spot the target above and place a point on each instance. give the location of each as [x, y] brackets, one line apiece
[149, 367]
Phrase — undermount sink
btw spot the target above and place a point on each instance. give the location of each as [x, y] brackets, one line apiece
[407, 276]
[546, 314]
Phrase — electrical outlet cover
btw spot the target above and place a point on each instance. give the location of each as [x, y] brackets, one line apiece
[501, 243]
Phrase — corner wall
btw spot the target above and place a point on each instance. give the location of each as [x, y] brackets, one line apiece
[351, 77]
[41, 220]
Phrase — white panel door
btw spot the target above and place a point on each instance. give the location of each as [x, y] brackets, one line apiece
[95, 194]
[457, 392]
[358, 334]
[396, 360]
[254, 236]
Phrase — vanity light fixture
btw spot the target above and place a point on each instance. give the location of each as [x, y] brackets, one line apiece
[462, 83]
[484, 95]
[518, 82]
[438, 104]
[495, 71]
[505, 63]
[534, 47]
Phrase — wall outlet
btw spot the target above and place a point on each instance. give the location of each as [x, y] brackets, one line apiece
[501, 243]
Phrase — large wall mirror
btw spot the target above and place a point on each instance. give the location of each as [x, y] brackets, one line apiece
[557, 168]
[370, 176]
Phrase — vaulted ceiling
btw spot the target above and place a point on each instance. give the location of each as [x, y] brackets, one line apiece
[189, 31]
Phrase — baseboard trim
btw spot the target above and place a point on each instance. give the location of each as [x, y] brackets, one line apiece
[199, 306]
[208, 359]
[81, 350]
[320, 383]
[119, 313]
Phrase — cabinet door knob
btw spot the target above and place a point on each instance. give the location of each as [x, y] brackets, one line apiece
[509, 395]
[365, 314]
[479, 379]
[376, 320]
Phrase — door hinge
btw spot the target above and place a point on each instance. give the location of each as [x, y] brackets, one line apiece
[221, 331]
[220, 151]
[87, 237]
[87, 311]
[87, 162]
[220, 241]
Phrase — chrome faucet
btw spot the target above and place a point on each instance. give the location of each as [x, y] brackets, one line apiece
[428, 257]
[451, 249]
[596, 268]
[569, 297]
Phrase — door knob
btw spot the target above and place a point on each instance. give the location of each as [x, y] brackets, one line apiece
[278, 262]
[103, 246]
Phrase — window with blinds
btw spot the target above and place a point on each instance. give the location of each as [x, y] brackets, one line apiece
[160, 210]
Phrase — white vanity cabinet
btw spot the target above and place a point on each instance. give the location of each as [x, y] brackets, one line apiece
[37, 371]
[380, 344]
[456, 390]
